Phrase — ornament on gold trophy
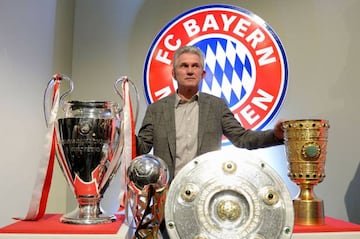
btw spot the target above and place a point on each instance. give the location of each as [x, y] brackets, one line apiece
[89, 143]
[148, 180]
[306, 145]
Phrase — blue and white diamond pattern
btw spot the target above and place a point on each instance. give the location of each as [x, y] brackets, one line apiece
[230, 70]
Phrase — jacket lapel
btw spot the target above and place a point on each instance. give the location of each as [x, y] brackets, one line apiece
[204, 108]
[169, 116]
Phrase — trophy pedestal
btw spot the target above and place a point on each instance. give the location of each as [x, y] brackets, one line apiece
[132, 231]
[87, 215]
[309, 212]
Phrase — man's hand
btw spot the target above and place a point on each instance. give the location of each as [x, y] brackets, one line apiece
[278, 131]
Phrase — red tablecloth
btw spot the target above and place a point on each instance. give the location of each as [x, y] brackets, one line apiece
[331, 225]
[50, 224]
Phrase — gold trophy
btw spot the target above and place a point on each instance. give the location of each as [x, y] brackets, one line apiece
[305, 143]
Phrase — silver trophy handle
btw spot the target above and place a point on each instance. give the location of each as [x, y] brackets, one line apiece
[49, 89]
[119, 83]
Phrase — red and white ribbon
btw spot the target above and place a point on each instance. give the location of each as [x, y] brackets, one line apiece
[41, 189]
[129, 151]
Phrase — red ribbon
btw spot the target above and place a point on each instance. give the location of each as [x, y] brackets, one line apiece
[41, 189]
[129, 152]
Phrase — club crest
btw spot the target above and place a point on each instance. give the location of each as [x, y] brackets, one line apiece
[245, 61]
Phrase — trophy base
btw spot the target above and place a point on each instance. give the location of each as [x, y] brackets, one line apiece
[86, 217]
[309, 212]
[131, 234]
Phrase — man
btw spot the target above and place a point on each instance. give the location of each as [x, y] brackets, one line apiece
[189, 123]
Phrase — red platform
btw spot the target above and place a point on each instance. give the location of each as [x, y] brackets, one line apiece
[50, 224]
[331, 225]
[50, 227]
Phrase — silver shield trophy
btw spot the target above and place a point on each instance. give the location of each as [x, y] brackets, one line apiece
[148, 179]
[228, 195]
[89, 139]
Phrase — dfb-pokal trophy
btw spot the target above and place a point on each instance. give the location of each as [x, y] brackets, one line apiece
[306, 146]
[89, 143]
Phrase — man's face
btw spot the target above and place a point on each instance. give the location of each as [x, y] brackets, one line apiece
[188, 71]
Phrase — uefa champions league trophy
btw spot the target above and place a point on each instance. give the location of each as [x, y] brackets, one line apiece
[306, 143]
[89, 142]
[148, 180]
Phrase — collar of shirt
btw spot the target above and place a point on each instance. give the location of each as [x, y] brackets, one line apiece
[179, 101]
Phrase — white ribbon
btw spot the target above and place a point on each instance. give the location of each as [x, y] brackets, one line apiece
[129, 151]
[44, 175]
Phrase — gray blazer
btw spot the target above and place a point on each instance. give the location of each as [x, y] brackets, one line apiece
[215, 119]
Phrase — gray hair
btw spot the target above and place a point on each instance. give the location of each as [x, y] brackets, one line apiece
[188, 49]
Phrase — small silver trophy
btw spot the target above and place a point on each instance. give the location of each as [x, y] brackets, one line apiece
[89, 143]
[148, 180]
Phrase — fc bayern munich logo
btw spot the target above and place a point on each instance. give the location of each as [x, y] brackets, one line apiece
[245, 62]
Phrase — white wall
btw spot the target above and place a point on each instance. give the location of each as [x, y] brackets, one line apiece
[29, 54]
[111, 38]
[319, 37]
